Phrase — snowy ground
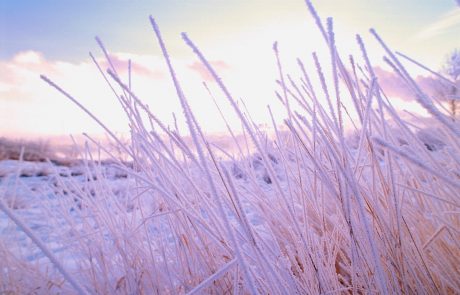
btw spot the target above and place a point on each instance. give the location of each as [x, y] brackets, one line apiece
[44, 196]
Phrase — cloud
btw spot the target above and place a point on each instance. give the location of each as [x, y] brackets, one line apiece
[394, 86]
[23, 69]
[28, 57]
[446, 22]
[29, 106]
[121, 65]
[21, 63]
[198, 67]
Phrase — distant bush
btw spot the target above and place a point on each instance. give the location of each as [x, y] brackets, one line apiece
[35, 151]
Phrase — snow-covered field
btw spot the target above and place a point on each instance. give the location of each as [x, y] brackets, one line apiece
[54, 202]
[340, 200]
[43, 195]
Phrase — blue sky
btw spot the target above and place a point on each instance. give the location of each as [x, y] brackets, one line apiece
[66, 29]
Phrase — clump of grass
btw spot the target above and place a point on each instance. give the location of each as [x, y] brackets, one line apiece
[37, 151]
[309, 212]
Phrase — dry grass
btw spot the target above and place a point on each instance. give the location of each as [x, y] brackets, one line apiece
[35, 151]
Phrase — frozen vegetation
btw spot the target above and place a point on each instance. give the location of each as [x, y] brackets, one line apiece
[312, 209]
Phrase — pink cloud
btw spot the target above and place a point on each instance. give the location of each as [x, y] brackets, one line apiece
[8, 75]
[198, 67]
[28, 57]
[394, 86]
[17, 71]
[22, 62]
[28, 105]
[121, 65]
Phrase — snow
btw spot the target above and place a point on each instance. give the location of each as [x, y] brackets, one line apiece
[44, 195]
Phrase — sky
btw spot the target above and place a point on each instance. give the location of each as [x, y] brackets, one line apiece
[54, 38]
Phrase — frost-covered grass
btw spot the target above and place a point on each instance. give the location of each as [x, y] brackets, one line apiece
[32, 151]
[316, 209]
